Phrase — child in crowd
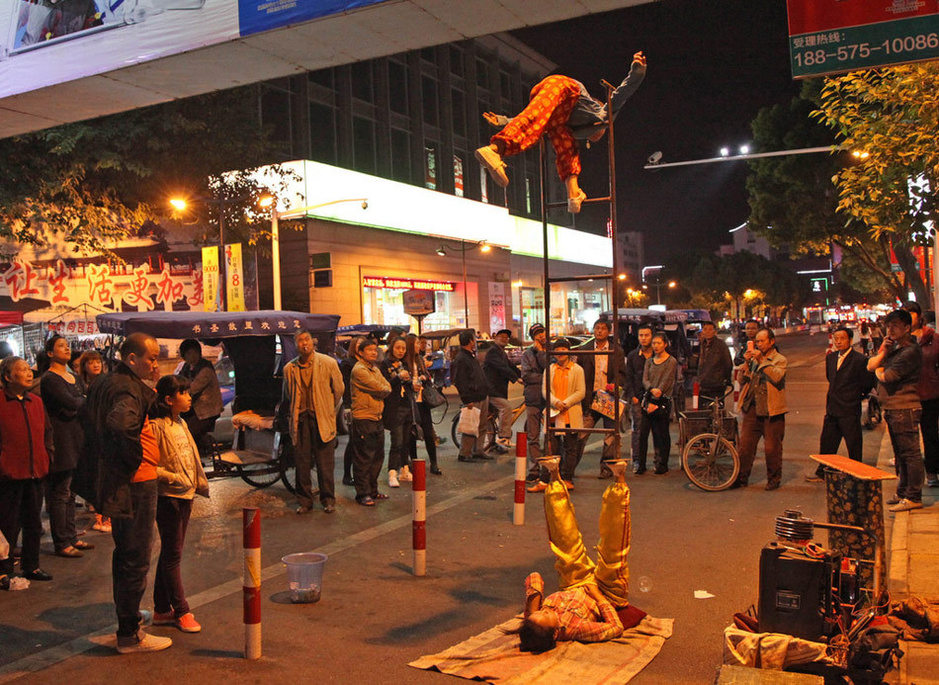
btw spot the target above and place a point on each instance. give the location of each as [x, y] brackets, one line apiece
[181, 478]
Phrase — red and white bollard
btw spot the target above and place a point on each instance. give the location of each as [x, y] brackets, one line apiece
[251, 518]
[419, 517]
[521, 468]
[695, 394]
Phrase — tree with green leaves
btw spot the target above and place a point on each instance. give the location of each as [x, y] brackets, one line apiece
[93, 183]
[794, 201]
[891, 115]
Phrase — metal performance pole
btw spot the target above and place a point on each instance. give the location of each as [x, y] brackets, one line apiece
[275, 254]
[465, 286]
[419, 517]
[251, 520]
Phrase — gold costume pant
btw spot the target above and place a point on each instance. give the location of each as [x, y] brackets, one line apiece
[575, 568]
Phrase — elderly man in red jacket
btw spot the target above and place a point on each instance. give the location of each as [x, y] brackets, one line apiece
[25, 445]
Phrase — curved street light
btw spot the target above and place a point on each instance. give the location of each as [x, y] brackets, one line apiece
[276, 216]
[482, 246]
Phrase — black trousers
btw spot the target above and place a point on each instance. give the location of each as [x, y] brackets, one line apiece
[403, 447]
[929, 427]
[310, 446]
[172, 517]
[838, 428]
[21, 509]
[60, 503]
[661, 438]
[427, 428]
[133, 538]
[369, 455]
[640, 435]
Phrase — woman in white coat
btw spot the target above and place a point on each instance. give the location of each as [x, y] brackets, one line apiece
[568, 389]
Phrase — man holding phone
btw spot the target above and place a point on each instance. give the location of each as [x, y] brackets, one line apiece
[897, 367]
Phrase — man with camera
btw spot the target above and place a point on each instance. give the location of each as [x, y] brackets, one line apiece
[897, 366]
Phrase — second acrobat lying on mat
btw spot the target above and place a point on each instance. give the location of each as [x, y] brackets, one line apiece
[592, 604]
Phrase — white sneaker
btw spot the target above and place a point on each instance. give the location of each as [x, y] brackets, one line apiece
[142, 642]
[393, 479]
[906, 505]
[404, 475]
[505, 442]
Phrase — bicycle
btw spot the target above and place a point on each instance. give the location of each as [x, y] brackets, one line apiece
[492, 426]
[709, 457]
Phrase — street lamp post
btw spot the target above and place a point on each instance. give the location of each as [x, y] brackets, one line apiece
[483, 246]
[276, 216]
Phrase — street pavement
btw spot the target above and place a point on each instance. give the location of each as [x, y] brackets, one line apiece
[375, 616]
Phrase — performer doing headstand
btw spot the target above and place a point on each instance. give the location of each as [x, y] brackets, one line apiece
[585, 609]
[562, 109]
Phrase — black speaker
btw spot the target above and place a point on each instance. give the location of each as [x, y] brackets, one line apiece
[796, 591]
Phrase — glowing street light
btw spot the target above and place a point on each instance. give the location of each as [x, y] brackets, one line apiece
[860, 154]
[622, 277]
[744, 149]
[725, 151]
[179, 204]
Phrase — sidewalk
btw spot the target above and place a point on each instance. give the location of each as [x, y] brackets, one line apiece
[914, 570]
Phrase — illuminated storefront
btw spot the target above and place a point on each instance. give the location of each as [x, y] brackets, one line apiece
[383, 302]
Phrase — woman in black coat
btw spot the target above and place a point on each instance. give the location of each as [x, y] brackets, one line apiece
[63, 395]
[398, 414]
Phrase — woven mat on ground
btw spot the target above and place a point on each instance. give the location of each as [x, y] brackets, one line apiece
[494, 657]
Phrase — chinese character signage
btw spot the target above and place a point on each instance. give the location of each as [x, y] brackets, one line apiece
[234, 278]
[407, 284]
[833, 36]
[210, 289]
[102, 285]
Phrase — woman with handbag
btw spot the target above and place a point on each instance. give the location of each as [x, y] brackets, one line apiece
[398, 415]
[426, 398]
[658, 378]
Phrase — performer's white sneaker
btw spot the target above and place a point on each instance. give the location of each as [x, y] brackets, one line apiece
[490, 159]
[393, 479]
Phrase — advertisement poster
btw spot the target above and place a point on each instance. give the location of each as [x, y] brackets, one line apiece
[418, 302]
[255, 16]
[234, 278]
[457, 176]
[210, 287]
[496, 307]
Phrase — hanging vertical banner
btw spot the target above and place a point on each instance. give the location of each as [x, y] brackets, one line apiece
[496, 306]
[234, 278]
[210, 289]
[457, 176]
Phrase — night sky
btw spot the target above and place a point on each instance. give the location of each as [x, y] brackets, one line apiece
[712, 65]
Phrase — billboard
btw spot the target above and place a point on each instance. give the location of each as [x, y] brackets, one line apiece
[46, 42]
[833, 36]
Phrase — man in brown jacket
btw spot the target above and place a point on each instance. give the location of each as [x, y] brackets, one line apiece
[312, 394]
[763, 403]
[369, 390]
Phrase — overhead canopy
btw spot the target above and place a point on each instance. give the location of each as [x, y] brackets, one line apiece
[215, 325]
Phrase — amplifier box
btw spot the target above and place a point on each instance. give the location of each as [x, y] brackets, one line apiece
[795, 591]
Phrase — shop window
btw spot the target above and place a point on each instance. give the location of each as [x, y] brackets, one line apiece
[429, 100]
[429, 55]
[505, 85]
[362, 81]
[482, 74]
[322, 133]
[459, 111]
[322, 77]
[456, 61]
[400, 155]
[398, 87]
[275, 113]
[363, 145]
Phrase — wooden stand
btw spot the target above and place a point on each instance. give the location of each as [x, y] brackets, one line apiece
[854, 495]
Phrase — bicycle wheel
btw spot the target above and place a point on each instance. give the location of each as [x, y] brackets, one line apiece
[288, 470]
[261, 475]
[711, 462]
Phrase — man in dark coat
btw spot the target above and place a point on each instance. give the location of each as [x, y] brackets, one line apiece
[499, 373]
[848, 381]
[468, 377]
[714, 365]
[600, 370]
[127, 487]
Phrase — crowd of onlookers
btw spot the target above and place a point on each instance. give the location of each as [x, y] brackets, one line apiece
[127, 440]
